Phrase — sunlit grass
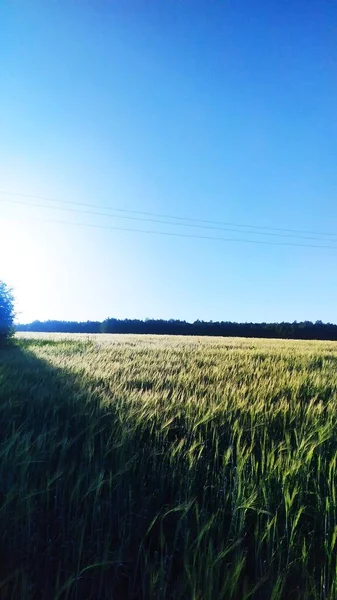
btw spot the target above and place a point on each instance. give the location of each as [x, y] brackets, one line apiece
[168, 467]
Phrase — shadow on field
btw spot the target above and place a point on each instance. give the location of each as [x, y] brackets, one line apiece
[98, 502]
[62, 528]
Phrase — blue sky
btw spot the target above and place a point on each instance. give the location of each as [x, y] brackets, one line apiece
[213, 110]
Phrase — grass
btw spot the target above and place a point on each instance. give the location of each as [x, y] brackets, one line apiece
[167, 468]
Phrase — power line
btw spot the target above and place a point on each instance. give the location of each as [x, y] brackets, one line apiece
[182, 235]
[178, 218]
[149, 220]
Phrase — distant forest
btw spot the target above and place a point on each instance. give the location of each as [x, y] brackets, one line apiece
[302, 331]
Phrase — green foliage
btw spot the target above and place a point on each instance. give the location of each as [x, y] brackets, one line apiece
[302, 331]
[6, 313]
[168, 468]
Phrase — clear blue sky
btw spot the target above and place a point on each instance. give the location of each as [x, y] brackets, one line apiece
[220, 110]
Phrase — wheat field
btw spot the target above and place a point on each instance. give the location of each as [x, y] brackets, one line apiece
[154, 467]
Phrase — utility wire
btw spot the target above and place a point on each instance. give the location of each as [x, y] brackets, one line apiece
[150, 220]
[151, 214]
[183, 235]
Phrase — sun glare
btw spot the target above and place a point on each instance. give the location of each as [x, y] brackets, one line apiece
[23, 265]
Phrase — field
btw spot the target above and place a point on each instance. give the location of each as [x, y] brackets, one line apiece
[167, 468]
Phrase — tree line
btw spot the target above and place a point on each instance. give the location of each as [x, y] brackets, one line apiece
[305, 330]
[6, 313]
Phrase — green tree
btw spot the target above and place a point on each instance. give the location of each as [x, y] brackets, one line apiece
[6, 313]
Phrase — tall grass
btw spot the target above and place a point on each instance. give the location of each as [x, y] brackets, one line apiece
[168, 468]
